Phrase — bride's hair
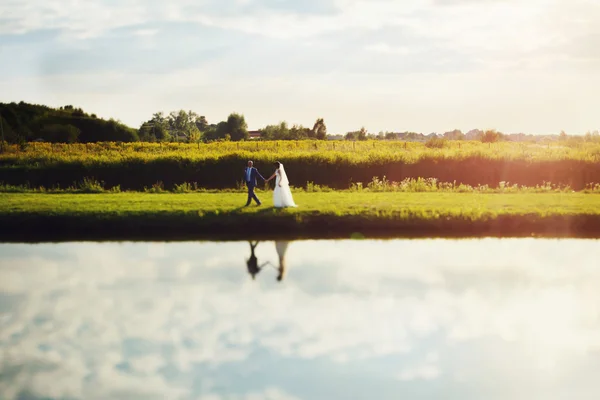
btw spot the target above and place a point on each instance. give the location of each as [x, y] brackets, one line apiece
[277, 164]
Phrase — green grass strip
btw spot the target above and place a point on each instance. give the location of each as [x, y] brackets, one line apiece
[168, 216]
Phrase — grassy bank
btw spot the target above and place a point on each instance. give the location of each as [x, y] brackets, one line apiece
[334, 164]
[35, 216]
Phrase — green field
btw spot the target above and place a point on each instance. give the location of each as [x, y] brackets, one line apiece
[337, 164]
[168, 216]
[329, 151]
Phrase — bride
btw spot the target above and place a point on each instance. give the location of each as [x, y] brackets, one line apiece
[282, 195]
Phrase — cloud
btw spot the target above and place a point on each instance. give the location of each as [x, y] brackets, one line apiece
[481, 3]
[387, 49]
[267, 394]
[185, 321]
[426, 370]
[494, 63]
[245, 7]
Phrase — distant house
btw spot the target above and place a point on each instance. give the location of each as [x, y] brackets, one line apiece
[335, 137]
[517, 137]
[180, 137]
[254, 134]
[453, 135]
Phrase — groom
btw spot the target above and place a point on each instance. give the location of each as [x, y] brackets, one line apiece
[250, 174]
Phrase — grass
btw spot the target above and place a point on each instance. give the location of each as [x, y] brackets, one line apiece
[165, 216]
[408, 185]
[319, 151]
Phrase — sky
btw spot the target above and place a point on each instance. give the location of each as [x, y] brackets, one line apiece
[529, 66]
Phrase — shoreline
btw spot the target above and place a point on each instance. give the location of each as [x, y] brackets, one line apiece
[34, 230]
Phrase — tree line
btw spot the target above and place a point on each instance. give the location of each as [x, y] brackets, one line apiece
[188, 126]
[23, 122]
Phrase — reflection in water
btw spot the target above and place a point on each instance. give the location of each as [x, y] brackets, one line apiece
[473, 319]
[252, 262]
[281, 247]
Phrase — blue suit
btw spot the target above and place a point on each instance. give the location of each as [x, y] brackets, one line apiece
[251, 183]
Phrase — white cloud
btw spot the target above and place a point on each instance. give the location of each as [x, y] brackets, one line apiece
[97, 307]
[267, 394]
[145, 32]
[386, 65]
[387, 49]
[78, 19]
[427, 369]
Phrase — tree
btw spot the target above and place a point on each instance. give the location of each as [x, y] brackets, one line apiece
[222, 129]
[490, 136]
[362, 134]
[210, 134]
[145, 132]
[25, 121]
[299, 132]
[391, 136]
[276, 132]
[156, 129]
[193, 134]
[78, 112]
[237, 127]
[56, 133]
[117, 132]
[319, 129]
[563, 136]
[179, 122]
[202, 123]
[357, 135]
[182, 123]
[6, 133]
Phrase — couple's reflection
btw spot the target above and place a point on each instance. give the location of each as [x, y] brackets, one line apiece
[252, 263]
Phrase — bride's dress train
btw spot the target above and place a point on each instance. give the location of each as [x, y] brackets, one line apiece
[282, 195]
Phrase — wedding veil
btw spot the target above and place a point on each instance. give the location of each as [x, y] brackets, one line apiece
[284, 178]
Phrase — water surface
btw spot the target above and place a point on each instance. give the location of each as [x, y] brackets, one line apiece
[418, 319]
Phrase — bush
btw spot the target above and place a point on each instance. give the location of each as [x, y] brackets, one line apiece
[157, 187]
[56, 133]
[185, 187]
[332, 164]
[91, 185]
[490, 136]
[435, 143]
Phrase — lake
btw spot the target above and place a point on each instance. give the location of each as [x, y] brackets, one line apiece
[365, 319]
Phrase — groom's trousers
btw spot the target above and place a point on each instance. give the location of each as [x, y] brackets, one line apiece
[252, 195]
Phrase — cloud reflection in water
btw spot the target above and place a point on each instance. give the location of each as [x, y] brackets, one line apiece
[350, 319]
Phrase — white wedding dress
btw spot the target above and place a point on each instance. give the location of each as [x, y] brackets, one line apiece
[282, 195]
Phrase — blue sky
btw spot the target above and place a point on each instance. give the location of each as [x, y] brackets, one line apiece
[422, 65]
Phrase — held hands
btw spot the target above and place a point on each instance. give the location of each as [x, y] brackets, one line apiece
[267, 181]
